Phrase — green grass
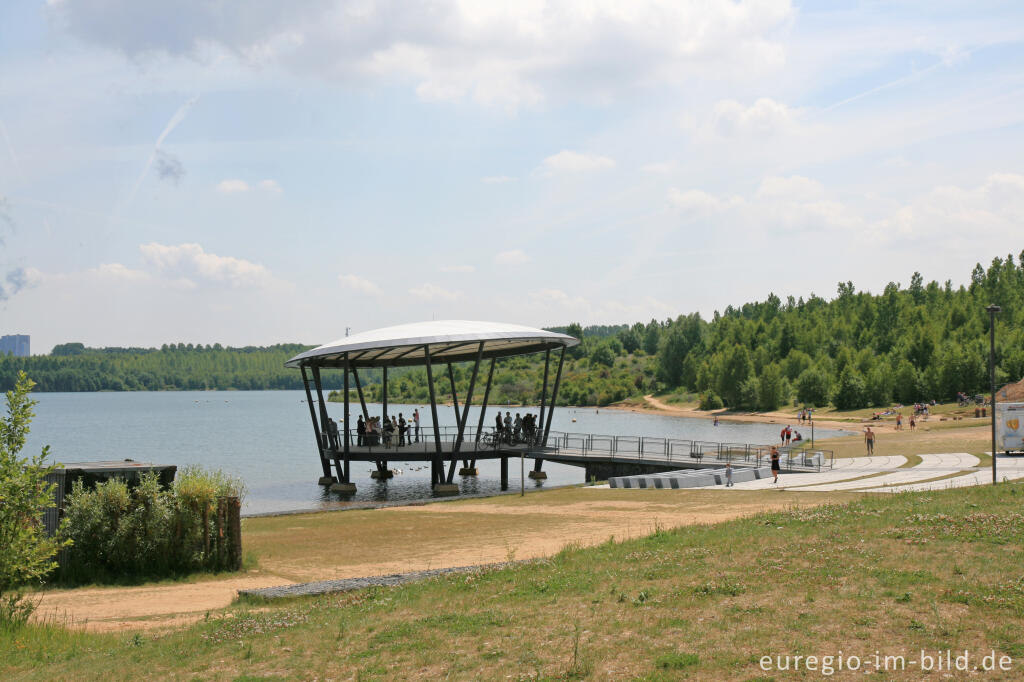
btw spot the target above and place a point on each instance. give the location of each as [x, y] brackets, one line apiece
[894, 573]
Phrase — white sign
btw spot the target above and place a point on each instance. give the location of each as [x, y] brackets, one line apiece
[1009, 426]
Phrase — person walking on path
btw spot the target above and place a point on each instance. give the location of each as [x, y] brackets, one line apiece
[869, 440]
[728, 474]
[775, 465]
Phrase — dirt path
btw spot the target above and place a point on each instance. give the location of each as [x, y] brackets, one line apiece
[655, 405]
[308, 547]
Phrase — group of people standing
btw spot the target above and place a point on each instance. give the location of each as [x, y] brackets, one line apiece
[377, 430]
[789, 435]
[515, 430]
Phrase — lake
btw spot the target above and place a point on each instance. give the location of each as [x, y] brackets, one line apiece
[265, 437]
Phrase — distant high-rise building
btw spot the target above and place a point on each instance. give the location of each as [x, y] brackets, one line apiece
[17, 344]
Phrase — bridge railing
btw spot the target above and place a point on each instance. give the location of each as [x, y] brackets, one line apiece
[575, 445]
[662, 450]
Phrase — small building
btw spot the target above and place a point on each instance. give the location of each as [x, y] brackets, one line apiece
[91, 473]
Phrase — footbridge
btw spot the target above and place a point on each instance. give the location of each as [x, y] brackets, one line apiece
[601, 456]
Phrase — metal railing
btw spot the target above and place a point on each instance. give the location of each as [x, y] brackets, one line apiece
[576, 446]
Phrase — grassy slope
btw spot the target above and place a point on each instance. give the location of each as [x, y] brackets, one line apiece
[896, 574]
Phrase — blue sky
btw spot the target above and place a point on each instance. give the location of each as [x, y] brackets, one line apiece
[255, 172]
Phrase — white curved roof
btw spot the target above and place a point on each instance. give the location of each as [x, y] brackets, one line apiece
[449, 340]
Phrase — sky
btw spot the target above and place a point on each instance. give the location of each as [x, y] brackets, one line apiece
[253, 172]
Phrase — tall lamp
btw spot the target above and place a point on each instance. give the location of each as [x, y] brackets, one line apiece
[992, 310]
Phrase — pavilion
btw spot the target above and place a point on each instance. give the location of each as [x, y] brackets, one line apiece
[430, 344]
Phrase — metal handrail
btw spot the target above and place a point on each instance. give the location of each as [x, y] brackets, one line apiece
[640, 448]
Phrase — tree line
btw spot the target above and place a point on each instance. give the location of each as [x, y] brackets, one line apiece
[906, 344]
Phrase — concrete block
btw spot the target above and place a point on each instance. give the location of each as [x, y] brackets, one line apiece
[469, 471]
[343, 487]
[382, 475]
[325, 480]
[446, 489]
[538, 475]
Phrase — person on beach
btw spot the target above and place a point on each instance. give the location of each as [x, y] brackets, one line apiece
[913, 422]
[416, 422]
[899, 421]
[716, 420]
[782, 435]
[775, 465]
[728, 474]
[869, 440]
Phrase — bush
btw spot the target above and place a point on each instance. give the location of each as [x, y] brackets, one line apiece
[147, 531]
[26, 552]
[851, 391]
[710, 401]
[812, 387]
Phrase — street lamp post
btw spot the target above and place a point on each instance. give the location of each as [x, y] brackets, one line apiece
[992, 310]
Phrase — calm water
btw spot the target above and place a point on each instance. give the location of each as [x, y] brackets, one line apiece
[266, 438]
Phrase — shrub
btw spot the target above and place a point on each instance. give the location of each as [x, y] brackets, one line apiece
[26, 552]
[710, 401]
[146, 531]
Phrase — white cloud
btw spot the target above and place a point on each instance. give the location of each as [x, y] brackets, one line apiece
[190, 261]
[567, 161]
[513, 257]
[508, 54]
[270, 186]
[765, 117]
[694, 201]
[496, 179]
[432, 292]
[119, 272]
[659, 167]
[457, 268]
[359, 284]
[233, 186]
[236, 186]
[795, 187]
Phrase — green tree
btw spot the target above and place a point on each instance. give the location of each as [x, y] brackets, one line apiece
[602, 355]
[812, 387]
[770, 389]
[736, 369]
[851, 391]
[575, 330]
[26, 552]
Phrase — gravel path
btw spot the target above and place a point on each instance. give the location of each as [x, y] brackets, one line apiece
[349, 584]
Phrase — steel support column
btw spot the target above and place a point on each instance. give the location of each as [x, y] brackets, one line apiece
[345, 417]
[342, 473]
[384, 394]
[324, 463]
[554, 396]
[437, 465]
[544, 387]
[483, 406]
[359, 390]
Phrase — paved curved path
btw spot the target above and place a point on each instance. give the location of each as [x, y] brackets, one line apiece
[1007, 468]
[931, 466]
[845, 469]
